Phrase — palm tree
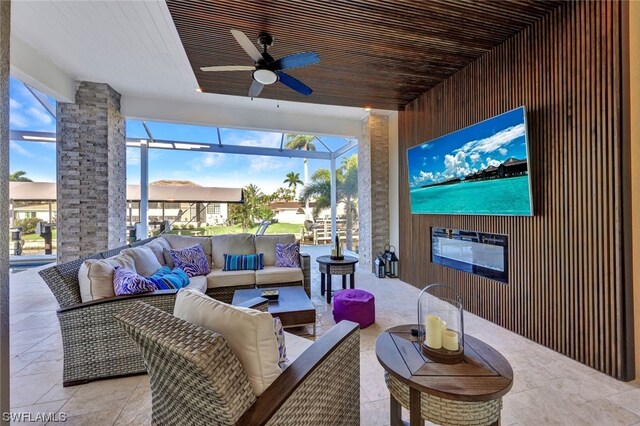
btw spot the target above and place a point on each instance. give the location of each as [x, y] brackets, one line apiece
[346, 191]
[303, 143]
[293, 179]
[255, 208]
[19, 176]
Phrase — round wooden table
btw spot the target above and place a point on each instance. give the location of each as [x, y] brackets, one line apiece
[469, 392]
[329, 267]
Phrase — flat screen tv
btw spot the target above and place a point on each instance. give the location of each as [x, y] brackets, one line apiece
[482, 169]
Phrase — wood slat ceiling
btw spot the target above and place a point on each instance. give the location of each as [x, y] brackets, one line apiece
[381, 54]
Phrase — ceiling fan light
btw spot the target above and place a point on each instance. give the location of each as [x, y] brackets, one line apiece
[265, 76]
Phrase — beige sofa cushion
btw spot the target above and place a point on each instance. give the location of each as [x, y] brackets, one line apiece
[278, 275]
[95, 276]
[231, 244]
[199, 282]
[296, 345]
[219, 278]
[184, 241]
[248, 332]
[267, 244]
[146, 262]
[157, 246]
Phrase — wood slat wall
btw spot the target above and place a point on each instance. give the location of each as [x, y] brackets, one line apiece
[567, 285]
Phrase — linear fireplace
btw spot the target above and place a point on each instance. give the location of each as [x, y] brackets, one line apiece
[474, 252]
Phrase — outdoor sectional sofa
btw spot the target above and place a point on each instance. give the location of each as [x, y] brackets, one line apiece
[96, 347]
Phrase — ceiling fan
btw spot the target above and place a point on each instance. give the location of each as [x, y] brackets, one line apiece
[267, 70]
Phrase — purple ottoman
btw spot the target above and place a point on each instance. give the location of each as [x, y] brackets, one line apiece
[354, 305]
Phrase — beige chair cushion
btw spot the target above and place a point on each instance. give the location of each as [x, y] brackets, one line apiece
[95, 276]
[295, 346]
[267, 244]
[219, 278]
[199, 282]
[231, 244]
[146, 262]
[278, 275]
[184, 241]
[157, 246]
[248, 332]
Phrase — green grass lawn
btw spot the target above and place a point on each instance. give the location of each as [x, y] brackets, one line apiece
[275, 228]
[33, 237]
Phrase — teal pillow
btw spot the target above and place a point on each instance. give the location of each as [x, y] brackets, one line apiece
[168, 279]
[243, 262]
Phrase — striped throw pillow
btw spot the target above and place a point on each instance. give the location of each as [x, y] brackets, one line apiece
[168, 279]
[243, 262]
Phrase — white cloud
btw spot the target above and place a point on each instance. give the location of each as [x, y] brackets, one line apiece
[435, 157]
[456, 165]
[207, 160]
[17, 148]
[422, 178]
[14, 104]
[16, 119]
[503, 151]
[492, 162]
[426, 146]
[41, 116]
[494, 142]
[474, 157]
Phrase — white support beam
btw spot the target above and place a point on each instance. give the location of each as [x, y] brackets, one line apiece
[36, 70]
[207, 114]
[334, 199]
[43, 100]
[144, 191]
[345, 148]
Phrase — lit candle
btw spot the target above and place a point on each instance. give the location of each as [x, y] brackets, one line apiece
[433, 336]
[450, 340]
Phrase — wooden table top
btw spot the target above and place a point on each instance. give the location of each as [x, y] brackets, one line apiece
[290, 299]
[483, 375]
[348, 260]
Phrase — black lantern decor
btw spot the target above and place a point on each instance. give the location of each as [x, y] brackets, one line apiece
[380, 265]
[391, 262]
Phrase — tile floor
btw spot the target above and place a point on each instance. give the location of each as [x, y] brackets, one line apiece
[549, 388]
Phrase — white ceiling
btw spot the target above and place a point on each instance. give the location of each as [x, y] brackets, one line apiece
[133, 46]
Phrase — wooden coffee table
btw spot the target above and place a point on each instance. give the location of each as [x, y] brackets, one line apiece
[293, 307]
[443, 393]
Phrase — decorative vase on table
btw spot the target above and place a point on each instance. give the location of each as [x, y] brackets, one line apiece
[441, 324]
[336, 250]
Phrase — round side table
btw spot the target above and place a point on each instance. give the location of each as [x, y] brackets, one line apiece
[329, 267]
[469, 392]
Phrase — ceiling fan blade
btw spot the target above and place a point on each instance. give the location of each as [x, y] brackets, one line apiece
[246, 44]
[229, 68]
[294, 83]
[296, 60]
[255, 89]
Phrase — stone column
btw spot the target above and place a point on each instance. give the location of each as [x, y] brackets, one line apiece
[5, 31]
[373, 188]
[91, 184]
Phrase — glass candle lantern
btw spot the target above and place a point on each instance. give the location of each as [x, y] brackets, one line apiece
[441, 328]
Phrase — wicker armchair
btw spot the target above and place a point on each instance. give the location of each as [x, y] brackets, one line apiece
[196, 379]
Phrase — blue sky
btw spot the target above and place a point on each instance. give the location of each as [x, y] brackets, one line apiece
[468, 150]
[207, 169]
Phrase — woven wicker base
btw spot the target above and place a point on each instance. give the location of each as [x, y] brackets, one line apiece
[447, 412]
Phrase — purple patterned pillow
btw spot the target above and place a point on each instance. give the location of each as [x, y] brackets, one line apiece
[191, 260]
[279, 332]
[125, 281]
[288, 255]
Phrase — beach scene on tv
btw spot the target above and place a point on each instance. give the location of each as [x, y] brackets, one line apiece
[481, 169]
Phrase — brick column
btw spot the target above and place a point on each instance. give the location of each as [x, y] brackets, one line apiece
[5, 32]
[373, 188]
[91, 153]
